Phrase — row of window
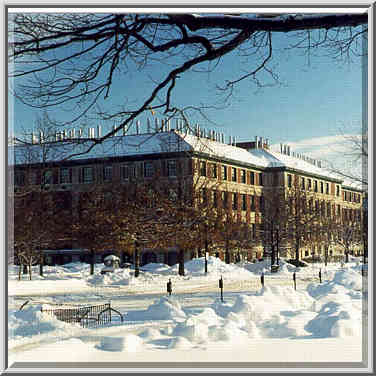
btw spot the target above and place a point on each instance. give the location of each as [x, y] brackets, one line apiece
[351, 196]
[313, 185]
[87, 174]
[236, 199]
[211, 170]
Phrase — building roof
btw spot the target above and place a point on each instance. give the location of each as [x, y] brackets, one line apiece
[163, 142]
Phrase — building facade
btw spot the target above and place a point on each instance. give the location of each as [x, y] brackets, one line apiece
[240, 176]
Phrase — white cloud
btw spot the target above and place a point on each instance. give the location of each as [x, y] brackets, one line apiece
[337, 152]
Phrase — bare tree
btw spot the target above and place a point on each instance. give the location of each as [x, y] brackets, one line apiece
[349, 234]
[304, 212]
[275, 219]
[72, 60]
[34, 228]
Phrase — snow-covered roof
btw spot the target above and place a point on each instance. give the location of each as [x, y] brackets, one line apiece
[161, 142]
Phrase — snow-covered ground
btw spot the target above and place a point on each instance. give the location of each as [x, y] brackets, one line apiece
[319, 322]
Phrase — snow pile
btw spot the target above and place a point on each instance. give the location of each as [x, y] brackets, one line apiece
[162, 309]
[349, 278]
[263, 266]
[117, 277]
[26, 325]
[129, 343]
[153, 267]
[216, 267]
[273, 312]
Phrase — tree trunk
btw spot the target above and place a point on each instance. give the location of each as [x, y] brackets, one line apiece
[19, 272]
[346, 256]
[30, 271]
[273, 255]
[41, 263]
[326, 255]
[297, 252]
[92, 261]
[181, 262]
[136, 262]
[227, 253]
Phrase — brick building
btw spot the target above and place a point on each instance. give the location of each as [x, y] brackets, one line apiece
[237, 174]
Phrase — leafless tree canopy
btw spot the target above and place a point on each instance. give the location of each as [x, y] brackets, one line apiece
[72, 60]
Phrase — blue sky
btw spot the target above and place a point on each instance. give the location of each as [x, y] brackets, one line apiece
[322, 98]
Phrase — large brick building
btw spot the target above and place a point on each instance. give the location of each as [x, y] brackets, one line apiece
[236, 173]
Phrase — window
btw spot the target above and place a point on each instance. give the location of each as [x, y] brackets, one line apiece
[224, 172]
[87, 175]
[65, 176]
[171, 167]
[315, 186]
[252, 203]
[338, 209]
[242, 176]
[244, 202]
[124, 172]
[261, 177]
[19, 178]
[289, 181]
[310, 206]
[214, 170]
[107, 173]
[337, 190]
[234, 201]
[327, 188]
[309, 184]
[33, 177]
[252, 178]
[306, 253]
[317, 206]
[47, 177]
[233, 174]
[148, 169]
[214, 198]
[328, 211]
[253, 231]
[203, 168]
[303, 183]
[224, 199]
[321, 187]
[204, 196]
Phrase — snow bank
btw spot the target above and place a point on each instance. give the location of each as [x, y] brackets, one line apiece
[162, 309]
[30, 324]
[153, 267]
[129, 343]
[216, 268]
[117, 277]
